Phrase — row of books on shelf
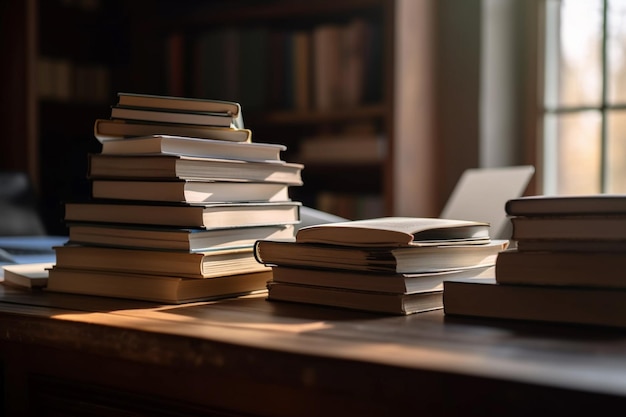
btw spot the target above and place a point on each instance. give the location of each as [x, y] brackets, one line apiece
[325, 67]
[62, 79]
[567, 266]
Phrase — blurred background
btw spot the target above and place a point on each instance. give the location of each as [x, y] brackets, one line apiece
[386, 102]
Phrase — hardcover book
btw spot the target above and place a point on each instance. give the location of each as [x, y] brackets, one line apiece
[571, 305]
[118, 129]
[157, 288]
[208, 264]
[407, 259]
[562, 268]
[182, 239]
[381, 302]
[592, 204]
[181, 145]
[191, 168]
[190, 191]
[210, 215]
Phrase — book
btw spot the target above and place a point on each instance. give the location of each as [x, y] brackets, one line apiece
[191, 168]
[172, 116]
[346, 148]
[189, 191]
[402, 260]
[190, 104]
[208, 264]
[396, 231]
[592, 204]
[589, 227]
[181, 145]
[156, 288]
[575, 245]
[564, 305]
[186, 239]
[116, 129]
[380, 302]
[211, 215]
[378, 282]
[591, 269]
[32, 275]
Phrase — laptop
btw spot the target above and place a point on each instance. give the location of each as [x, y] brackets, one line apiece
[481, 193]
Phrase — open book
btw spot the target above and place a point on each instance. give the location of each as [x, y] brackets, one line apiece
[396, 231]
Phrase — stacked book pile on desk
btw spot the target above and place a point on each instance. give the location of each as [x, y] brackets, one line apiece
[390, 265]
[568, 266]
[173, 218]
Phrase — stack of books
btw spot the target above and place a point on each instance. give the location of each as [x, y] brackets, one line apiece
[392, 265]
[174, 218]
[568, 265]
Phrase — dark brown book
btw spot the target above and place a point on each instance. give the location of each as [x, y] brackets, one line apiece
[562, 268]
[573, 305]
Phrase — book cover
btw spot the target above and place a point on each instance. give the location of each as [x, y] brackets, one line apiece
[563, 305]
[396, 231]
[179, 103]
[592, 204]
[172, 116]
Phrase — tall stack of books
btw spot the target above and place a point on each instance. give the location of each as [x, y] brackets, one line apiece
[568, 266]
[392, 265]
[174, 218]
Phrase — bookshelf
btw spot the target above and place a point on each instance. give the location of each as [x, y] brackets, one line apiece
[155, 47]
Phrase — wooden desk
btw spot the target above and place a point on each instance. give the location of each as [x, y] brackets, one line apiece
[74, 355]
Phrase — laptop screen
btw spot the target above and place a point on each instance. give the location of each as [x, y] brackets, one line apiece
[481, 193]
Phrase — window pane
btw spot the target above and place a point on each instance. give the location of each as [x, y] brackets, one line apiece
[616, 151]
[616, 51]
[573, 153]
[574, 53]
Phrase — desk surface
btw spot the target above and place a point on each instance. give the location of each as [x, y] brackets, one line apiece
[209, 335]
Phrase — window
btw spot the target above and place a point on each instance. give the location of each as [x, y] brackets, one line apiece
[584, 146]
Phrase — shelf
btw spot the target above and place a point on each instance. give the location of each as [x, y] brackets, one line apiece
[315, 117]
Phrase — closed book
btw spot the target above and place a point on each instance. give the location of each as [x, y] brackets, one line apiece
[191, 168]
[562, 305]
[600, 227]
[190, 191]
[181, 145]
[212, 215]
[408, 259]
[190, 104]
[378, 302]
[590, 269]
[171, 116]
[378, 282]
[31, 275]
[116, 129]
[209, 264]
[156, 288]
[592, 204]
[185, 239]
